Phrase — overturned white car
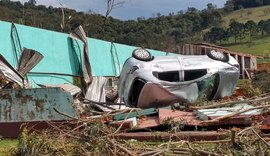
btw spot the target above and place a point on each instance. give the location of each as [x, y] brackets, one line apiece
[147, 81]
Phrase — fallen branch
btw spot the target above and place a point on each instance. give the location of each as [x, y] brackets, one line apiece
[121, 147]
[64, 114]
[232, 115]
[221, 141]
[148, 153]
[229, 103]
[263, 140]
[123, 121]
[104, 103]
[117, 112]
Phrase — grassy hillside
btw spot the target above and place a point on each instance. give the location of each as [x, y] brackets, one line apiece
[259, 45]
[256, 14]
[256, 47]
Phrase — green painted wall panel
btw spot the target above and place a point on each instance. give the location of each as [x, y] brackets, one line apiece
[63, 55]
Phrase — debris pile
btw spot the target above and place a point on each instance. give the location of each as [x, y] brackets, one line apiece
[64, 119]
[99, 124]
[94, 137]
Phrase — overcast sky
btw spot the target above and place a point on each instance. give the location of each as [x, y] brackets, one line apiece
[132, 8]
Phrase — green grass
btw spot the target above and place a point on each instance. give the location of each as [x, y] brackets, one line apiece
[260, 46]
[243, 15]
[263, 61]
[7, 145]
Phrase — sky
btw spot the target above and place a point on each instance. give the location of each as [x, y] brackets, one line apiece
[131, 9]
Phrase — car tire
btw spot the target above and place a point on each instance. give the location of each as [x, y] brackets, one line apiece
[142, 54]
[217, 55]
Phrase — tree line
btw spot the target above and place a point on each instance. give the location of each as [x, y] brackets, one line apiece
[158, 32]
[238, 31]
[232, 5]
[162, 32]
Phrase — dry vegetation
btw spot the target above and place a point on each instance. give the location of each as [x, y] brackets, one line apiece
[95, 138]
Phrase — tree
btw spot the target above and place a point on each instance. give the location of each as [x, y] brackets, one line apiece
[192, 9]
[261, 25]
[242, 31]
[211, 7]
[236, 29]
[30, 3]
[266, 2]
[229, 6]
[267, 26]
[215, 34]
[210, 18]
[250, 26]
[112, 4]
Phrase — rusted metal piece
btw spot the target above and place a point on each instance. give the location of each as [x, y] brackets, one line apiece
[244, 120]
[165, 136]
[12, 129]
[32, 106]
[265, 127]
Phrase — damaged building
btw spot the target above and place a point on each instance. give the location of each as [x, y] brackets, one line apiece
[45, 60]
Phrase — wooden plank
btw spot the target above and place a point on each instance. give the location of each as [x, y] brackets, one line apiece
[243, 66]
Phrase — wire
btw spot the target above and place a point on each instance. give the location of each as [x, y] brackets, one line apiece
[15, 32]
[116, 54]
[80, 72]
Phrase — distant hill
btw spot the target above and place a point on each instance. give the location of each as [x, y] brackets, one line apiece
[260, 45]
[243, 15]
[161, 32]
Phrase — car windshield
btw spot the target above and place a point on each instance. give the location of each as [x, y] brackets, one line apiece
[208, 87]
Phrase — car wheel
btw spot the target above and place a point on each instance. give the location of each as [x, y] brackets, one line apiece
[217, 55]
[142, 54]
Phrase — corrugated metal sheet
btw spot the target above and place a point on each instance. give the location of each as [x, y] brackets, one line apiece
[86, 66]
[9, 72]
[72, 89]
[96, 92]
[205, 114]
[28, 60]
